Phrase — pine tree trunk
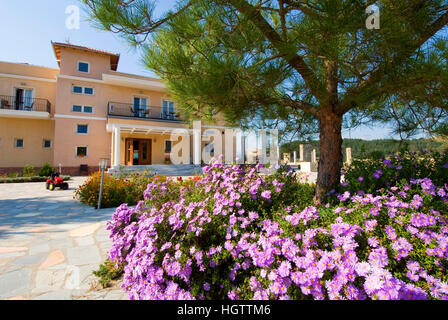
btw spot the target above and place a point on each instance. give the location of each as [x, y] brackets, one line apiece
[330, 160]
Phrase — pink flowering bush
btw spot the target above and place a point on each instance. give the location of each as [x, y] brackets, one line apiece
[373, 174]
[238, 234]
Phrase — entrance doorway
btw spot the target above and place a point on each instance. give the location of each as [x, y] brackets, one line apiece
[138, 152]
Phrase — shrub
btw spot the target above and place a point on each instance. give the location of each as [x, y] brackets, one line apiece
[107, 273]
[238, 234]
[28, 171]
[46, 171]
[372, 174]
[28, 179]
[125, 188]
[13, 174]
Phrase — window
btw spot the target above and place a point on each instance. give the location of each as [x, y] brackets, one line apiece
[83, 67]
[18, 143]
[85, 109]
[83, 90]
[82, 129]
[88, 90]
[77, 89]
[47, 144]
[81, 152]
[76, 108]
[168, 110]
[168, 145]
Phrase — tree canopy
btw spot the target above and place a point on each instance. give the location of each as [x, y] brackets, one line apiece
[307, 66]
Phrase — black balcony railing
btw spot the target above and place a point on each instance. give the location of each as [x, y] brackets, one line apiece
[24, 104]
[141, 112]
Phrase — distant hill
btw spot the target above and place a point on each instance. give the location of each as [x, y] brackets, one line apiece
[361, 147]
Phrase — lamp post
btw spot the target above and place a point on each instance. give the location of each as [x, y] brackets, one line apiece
[103, 166]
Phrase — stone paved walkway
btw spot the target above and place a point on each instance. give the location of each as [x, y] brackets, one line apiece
[50, 244]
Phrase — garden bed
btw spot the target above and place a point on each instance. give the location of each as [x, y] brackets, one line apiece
[237, 234]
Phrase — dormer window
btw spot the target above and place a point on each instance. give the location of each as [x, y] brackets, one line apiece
[83, 67]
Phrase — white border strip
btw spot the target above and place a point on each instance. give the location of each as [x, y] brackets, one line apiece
[86, 79]
[16, 76]
[133, 81]
[67, 116]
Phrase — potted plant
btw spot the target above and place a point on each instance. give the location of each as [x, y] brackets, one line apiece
[167, 159]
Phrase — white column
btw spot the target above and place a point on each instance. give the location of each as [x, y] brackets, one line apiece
[117, 140]
[313, 156]
[348, 152]
[295, 157]
[274, 148]
[197, 142]
[240, 147]
[301, 157]
[112, 139]
[230, 135]
[263, 157]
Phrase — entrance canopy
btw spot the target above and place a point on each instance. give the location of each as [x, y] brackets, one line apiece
[118, 128]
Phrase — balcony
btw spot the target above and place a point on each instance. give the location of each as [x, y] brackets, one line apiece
[117, 109]
[11, 106]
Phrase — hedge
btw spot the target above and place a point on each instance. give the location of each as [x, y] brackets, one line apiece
[28, 179]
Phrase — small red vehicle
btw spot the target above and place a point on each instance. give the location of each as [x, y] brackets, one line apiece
[56, 182]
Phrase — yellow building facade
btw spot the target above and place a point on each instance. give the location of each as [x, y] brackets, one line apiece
[82, 112]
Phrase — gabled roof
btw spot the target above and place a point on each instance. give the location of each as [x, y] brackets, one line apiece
[114, 57]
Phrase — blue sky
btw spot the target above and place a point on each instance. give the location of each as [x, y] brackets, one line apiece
[28, 26]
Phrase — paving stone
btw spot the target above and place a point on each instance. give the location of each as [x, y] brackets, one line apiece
[39, 229]
[14, 243]
[17, 298]
[54, 258]
[29, 260]
[4, 261]
[5, 227]
[55, 295]
[85, 241]
[12, 249]
[115, 295]
[27, 215]
[12, 255]
[83, 255]
[49, 280]
[87, 271]
[15, 283]
[58, 235]
[22, 236]
[106, 243]
[60, 243]
[102, 232]
[68, 226]
[85, 230]
[50, 208]
[40, 248]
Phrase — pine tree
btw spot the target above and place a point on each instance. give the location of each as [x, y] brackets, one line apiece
[309, 65]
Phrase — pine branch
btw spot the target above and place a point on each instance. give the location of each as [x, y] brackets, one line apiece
[349, 100]
[286, 49]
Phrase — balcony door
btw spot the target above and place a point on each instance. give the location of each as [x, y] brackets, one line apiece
[140, 106]
[23, 98]
[168, 111]
[138, 152]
